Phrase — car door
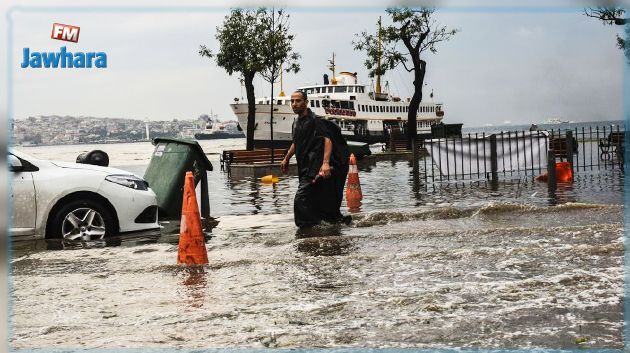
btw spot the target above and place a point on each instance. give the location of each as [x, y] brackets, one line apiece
[22, 198]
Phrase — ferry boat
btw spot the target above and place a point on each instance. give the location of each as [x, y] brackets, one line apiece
[362, 115]
[556, 121]
[213, 130]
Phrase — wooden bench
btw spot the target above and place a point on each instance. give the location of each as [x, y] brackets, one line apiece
[612, 145]
[257, 156]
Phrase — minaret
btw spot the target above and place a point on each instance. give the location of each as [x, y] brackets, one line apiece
[146, 124]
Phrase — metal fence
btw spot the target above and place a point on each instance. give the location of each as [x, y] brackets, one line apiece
[518, 154]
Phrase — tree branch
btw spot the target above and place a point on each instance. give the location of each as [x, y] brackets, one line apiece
[608, 15]
[405, 65]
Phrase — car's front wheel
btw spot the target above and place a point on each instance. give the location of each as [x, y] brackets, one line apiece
[83, 220]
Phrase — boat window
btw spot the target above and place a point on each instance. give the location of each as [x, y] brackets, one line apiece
[382, 109]
[325, 103]
[335, 104]
[351, 105]
[317, 90]
[317, 104]
[340, 89]
[344, 105]
[279, 102]
[330, 89]
[432, 109]
[312, 104]
[370, 108]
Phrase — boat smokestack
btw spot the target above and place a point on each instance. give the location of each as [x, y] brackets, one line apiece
[326, 82]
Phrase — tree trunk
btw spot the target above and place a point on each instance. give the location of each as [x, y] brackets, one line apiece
[412, 117]
[248, 77]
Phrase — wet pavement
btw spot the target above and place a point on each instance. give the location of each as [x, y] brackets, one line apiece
[452, 266]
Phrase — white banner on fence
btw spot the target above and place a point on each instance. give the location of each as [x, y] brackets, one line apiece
[515, 151]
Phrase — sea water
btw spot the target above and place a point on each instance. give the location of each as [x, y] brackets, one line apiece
[453, 265]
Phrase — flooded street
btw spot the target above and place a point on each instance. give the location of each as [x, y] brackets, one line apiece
[452, 266]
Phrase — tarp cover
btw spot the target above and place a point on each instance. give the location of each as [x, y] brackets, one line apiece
[471, 156]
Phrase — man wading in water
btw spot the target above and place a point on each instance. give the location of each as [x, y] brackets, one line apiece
[322, 161]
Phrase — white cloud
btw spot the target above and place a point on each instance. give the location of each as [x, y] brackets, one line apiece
[531, 32]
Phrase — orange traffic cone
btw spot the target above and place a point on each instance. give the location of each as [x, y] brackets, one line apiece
[353, 186]
[564, 174]
[192, 245]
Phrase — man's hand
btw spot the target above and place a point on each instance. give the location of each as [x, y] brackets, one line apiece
[284, 166]
[325, 170]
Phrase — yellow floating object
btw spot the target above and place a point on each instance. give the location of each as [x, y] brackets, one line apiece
[269, 179]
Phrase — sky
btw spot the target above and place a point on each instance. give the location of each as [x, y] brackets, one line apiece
[518, 64]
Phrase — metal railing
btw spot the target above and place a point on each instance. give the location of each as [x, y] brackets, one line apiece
[518, 154]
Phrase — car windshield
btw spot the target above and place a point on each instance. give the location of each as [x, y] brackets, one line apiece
[22, 155]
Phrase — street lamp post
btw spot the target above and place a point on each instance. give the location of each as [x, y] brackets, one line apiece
[273, 78]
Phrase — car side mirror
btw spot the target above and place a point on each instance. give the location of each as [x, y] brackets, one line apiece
[15, 165]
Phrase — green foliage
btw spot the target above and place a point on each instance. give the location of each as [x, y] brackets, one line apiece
[253, 41]
[413, 31]
[246, 41]
[279, 49]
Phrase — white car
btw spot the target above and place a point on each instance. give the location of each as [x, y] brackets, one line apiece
[76, 201]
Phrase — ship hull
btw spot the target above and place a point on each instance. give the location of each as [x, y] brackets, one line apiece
[217, 136]
[356, 126]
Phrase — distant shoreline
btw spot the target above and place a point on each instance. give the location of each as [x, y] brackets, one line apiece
[79, 144]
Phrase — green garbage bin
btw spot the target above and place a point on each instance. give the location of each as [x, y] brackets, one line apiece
[171, 159]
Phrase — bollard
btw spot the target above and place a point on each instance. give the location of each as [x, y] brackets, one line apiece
[551, 172]
[493, 162]
[569, 145]
[205, 196]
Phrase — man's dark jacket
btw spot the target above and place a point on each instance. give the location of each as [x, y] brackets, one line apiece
[319, 201]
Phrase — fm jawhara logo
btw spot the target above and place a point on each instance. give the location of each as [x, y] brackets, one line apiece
[65, 32]
[63, 58]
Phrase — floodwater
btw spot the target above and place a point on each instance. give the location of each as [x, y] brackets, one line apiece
[452, 265]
